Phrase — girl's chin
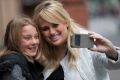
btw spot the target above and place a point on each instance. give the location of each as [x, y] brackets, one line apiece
[32, 54]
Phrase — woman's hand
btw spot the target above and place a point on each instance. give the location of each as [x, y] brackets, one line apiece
[103, 45]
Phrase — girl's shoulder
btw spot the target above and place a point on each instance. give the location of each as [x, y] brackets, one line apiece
[17, 73]
[15, 57]
[8, 64]
[8, 61]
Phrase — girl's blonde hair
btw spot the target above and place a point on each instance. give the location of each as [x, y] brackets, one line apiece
[52, 11]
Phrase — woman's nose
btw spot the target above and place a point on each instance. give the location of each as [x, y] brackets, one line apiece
[52, 30]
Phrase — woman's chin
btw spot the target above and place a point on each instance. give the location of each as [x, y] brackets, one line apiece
[57, 44]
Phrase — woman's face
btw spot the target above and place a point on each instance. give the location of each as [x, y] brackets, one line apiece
[55, 34]
[29, 40]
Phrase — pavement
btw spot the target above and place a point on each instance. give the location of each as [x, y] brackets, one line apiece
[109, 28]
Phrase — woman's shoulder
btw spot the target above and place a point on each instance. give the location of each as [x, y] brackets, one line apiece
[83, 31]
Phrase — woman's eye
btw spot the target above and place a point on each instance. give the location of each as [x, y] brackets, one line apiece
[44, 29]
[55, 25]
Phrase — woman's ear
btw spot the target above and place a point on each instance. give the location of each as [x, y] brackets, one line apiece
[66, 23]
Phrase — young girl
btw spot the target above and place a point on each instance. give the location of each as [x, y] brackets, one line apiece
[21, 43]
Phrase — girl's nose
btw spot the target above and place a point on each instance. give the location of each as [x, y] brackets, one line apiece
[34, 40]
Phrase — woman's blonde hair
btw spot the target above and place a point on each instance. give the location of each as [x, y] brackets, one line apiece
[12, 35]
[52, 11]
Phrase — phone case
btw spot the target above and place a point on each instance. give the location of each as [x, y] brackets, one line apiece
[81, 41]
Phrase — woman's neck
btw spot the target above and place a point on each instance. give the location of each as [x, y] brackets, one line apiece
[61, 52]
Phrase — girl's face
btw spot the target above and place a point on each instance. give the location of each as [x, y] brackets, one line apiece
[55, 34]
[29, 40]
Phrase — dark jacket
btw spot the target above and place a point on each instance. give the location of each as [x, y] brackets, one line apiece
[30, 71]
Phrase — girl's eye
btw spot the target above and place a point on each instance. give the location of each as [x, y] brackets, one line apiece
[36, 36]
[55, 25]
[27, 37]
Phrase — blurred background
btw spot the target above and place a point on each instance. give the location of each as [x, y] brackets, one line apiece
[101, 16]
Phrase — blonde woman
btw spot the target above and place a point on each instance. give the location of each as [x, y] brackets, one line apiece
[56, 26]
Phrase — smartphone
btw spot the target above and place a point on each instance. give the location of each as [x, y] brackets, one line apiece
[81, 41]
